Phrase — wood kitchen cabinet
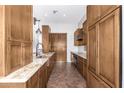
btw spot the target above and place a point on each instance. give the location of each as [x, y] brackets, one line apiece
[94, 82]
[109, 47]
[78, 37]
[27, 53]
[85, 33]
[50, 65]
[106, 9]
[104, 50]
[93, 14]
[46, 38]
[16, 31]
[33, 82]
[92, 44]
[85, 69]
[42, 76]
[13, 56]
[81, 64]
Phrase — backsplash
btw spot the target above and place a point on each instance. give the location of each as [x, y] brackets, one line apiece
[81, 49]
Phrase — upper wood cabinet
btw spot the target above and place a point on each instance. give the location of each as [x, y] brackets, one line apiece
[96, 12]
[27, 23]
[45, 38]
[78, 37]
[109, 43]
[18, 20]
[16, 31]
[106, 9]
[93, 14]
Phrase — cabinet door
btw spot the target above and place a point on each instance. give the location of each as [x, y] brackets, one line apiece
[15, 18]
[93, 14]
[27, 23]
[106, 9]
[92, 46]
[13, 56]
[85, 69]
[95, 82]
[33, 82]
[109, 44]
[27, 53]
[42, 77]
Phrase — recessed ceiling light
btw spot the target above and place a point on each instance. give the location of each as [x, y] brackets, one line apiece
[64, 15]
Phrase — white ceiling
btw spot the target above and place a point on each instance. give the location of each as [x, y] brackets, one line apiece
[65, 13]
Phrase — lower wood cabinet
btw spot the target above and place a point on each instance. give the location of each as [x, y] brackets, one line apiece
[33, 82]
[42, 76]
[81, 64]
[50, 65]
[38, 80]
[95, 82]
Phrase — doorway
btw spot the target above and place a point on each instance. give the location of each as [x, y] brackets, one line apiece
[59, 45]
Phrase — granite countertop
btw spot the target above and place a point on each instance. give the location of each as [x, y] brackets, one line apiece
[23, 74]
[82, 54]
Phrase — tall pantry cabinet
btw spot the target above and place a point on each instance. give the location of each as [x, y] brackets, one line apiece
[15, 36]
[104, 46]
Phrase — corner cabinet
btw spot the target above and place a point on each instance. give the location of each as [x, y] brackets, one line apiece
[16, 32]
[104, 51]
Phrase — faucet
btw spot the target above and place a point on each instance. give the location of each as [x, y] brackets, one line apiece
[37, 50]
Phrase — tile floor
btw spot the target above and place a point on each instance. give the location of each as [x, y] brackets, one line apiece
[65, 75]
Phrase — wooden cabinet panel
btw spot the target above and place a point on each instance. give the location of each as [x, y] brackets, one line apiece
[85, 33]
[106, 9]
[27, 53]
[104, 47]
[42, 76]
[95, 82]
[92, 48]
[15, 17]
[13, 56]
[93, 14]
[27, 23]
[85, 69]
[109, 48]
[34, 81]
[78, 37]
